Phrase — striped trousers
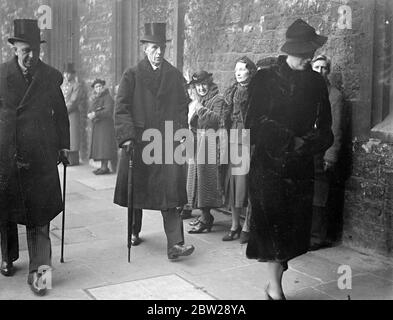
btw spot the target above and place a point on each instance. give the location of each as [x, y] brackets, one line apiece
[38, 243]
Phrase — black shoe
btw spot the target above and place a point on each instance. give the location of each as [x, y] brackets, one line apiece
[7, 269]
[180, 250]
[232, 234]
[36, 284]
[135, 240]
[102, 171]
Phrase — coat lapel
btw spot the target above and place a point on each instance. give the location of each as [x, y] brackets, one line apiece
[17, 85]
[34, 88]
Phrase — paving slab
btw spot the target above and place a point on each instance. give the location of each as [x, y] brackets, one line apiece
[364, 287]
[170, 287]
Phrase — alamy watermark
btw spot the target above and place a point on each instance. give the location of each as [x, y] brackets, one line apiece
[205, 147]
[344, 282]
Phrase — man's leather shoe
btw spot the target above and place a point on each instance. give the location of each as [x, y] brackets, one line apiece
[180, 250]
[7, 269]
[135, 240]
[36, 284]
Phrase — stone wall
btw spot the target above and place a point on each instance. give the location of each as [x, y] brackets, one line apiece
[369, 198]
[96, 27]
[219, 32]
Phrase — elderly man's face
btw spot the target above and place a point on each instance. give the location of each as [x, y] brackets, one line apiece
[155, 53]
[321, 67]
[27, 54]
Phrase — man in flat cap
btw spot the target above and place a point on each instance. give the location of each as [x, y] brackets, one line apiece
[150, 94]
[34, 137]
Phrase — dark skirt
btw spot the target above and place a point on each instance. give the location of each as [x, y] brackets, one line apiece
[281, 218]
[103, 143]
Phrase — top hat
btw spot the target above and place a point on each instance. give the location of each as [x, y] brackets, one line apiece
[301, 38]
[96, 81]
[155, 33]
[69, 67]
[26, 30]
[199, 77]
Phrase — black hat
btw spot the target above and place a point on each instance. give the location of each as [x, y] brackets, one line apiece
[69, 68]
[302, 38]
[26, 30]
[98, 81]
[155, 32]
[200, 76]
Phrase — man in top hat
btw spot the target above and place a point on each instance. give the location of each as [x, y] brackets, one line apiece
[290, 122]
[151, 93]
[75, 97]
[34, 124]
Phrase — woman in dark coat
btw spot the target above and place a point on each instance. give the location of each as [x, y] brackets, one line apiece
[204, 182]
[290, 122]
[236, 185]
[103, 143]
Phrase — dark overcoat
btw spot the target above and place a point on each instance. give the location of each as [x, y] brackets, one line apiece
[34, 124]
[103, 144]
[284, 104]
[145, 100]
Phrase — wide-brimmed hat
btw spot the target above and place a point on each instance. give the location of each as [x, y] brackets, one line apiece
[301, 38]
[26, 30]
[155, 32]
[96, 81]
[199, 77]
[69, 67]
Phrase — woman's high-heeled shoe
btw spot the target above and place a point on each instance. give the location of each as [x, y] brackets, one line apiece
[202, 226]
[232, 234]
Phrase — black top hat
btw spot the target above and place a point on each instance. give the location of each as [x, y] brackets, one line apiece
[69, 67]
[301, 38]
[26, 30]
[155, 32]
[96, 81]
[200, 76]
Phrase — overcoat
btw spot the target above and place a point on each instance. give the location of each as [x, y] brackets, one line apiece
[34, 126]
[74, 97]
[205, 178]
[103, 144]
[284, 104]
[324, 180]
[147, 99]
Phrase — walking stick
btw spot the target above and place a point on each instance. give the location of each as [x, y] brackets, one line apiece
[130, 197]
[63, 219]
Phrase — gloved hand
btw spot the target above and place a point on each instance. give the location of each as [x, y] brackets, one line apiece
[63, 158]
